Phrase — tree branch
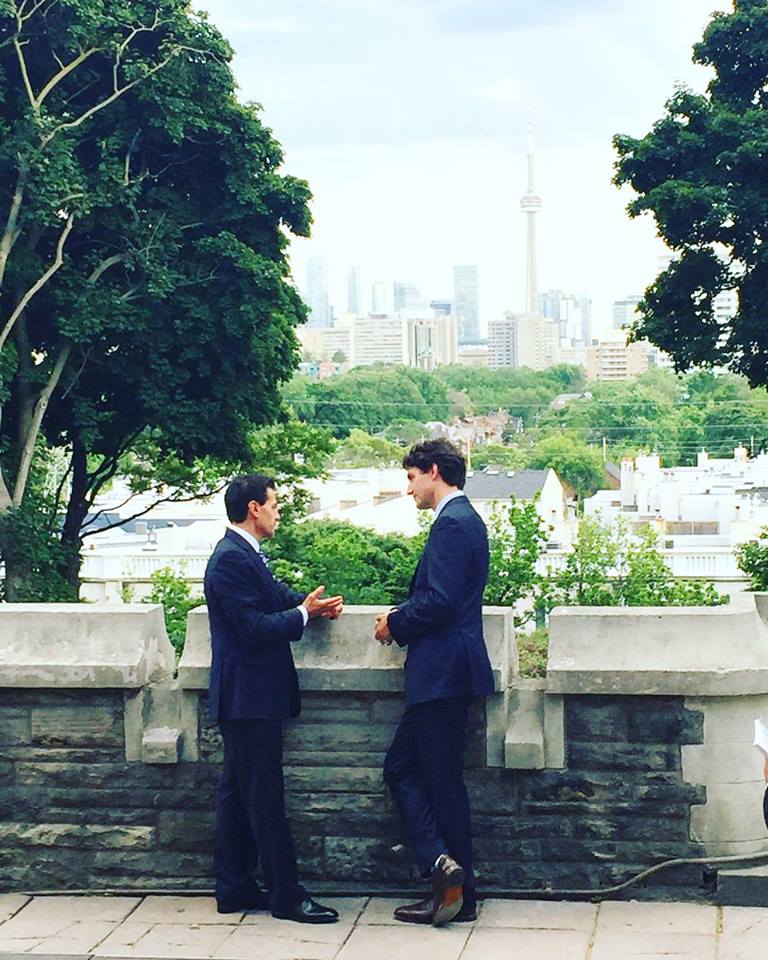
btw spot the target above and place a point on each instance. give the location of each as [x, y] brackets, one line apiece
[25, 76]
[58, 77]
[10, 233]
[40, 282]
[34, 429]
[141, 513]
[117, 93]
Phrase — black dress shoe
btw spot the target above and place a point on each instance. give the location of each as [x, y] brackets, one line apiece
[308, 911]
[467, 914]
[448, 890]
[259, 900]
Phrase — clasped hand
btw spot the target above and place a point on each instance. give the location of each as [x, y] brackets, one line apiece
[316, 605]
[381, 633]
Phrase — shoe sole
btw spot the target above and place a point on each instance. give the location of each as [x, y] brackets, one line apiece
[278, 916]
[452, 899]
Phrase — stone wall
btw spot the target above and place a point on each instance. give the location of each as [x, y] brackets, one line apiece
[108, 765]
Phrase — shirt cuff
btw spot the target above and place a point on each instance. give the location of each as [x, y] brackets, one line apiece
[304, 615]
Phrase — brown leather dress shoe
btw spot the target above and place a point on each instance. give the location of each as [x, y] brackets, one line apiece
[448, 890]
[420, 912]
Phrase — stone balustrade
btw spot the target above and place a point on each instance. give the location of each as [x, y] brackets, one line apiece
[636, 748]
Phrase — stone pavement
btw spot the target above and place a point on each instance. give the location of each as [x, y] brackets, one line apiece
[189, 927]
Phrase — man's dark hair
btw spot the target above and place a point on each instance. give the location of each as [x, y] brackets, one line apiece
[448, 459]
[252, 486]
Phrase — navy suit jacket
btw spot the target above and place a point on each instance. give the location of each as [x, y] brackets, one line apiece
[442, 621]
[253, 620]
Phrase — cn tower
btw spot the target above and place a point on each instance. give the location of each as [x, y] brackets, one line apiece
[530, 204]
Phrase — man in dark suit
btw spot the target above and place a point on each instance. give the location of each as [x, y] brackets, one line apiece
[254, 619]
[441, 624]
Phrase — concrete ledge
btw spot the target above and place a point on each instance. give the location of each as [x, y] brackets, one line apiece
[688, 651]
[342, 655]
[96, 646]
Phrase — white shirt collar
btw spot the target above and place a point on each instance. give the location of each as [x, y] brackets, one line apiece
[248, 537]
[446, 499]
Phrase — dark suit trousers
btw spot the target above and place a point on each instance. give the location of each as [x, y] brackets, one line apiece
[250, 816]
[424, 770]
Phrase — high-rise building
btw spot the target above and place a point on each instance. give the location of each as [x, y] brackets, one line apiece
[378, 297]
[354, 299]
[380, 339]
[619, 360]
[406, 296]
[317, 293]
[523, 340]
[432, 341]
[466, 302]
[625, 312]
[573, 314]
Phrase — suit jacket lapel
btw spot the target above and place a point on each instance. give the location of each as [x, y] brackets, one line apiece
[263, 572]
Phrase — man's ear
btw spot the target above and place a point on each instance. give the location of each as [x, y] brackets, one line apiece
[434, 472]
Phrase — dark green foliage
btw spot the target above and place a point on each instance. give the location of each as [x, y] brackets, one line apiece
[168, 324]
[516, 536]
[701, 173]
[364, 566]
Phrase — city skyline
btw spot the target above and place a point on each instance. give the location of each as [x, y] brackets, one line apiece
[421, 168]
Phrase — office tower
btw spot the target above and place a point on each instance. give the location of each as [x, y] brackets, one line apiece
[523, 340]
[406, 296]
[432, 341]
[530, 204]
[619, 360]
[625, 312]
[354, 299]
[317, 292]
[573, 314]
[466, 303]
[378, 297]
[380, 339]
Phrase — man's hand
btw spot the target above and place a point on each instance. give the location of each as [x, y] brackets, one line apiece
[765, 769]
[317, 605]
[382, 633]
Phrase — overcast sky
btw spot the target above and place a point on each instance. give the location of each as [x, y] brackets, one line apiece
[409, 120]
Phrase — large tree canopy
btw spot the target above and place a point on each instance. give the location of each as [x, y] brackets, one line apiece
[144, 290]
[701, 172]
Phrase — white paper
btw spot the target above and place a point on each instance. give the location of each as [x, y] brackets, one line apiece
[761, 737]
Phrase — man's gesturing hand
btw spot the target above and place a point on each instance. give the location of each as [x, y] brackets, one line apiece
[317, 605]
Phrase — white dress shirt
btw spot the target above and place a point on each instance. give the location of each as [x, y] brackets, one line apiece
[249, 538]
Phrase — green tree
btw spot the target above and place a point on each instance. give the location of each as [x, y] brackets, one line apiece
[365, 566]
[143, 302]
[578, 465]
[516, 539]
[360, 449]
[172, 590]
[701, 174]
[752, 558]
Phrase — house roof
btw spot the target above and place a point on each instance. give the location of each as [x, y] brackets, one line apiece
[491, 484]
[612, 469]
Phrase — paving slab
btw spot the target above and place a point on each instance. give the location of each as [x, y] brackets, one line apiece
[166, 940]
[643, 917]
[537, 915]
[745, 920]
[379, 911]
[46, 916]
[250, 943]
[635, 945]
[11, 903]
[522, 944]
[405, 942]
[76, 939]
[748, 946]
[182, 910]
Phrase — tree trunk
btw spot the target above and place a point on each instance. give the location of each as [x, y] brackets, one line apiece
[77, 511]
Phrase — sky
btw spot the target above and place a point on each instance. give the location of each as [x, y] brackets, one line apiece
[409, 120]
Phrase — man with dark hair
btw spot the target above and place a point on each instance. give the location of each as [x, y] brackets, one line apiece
[441, 624]
[254, 618]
